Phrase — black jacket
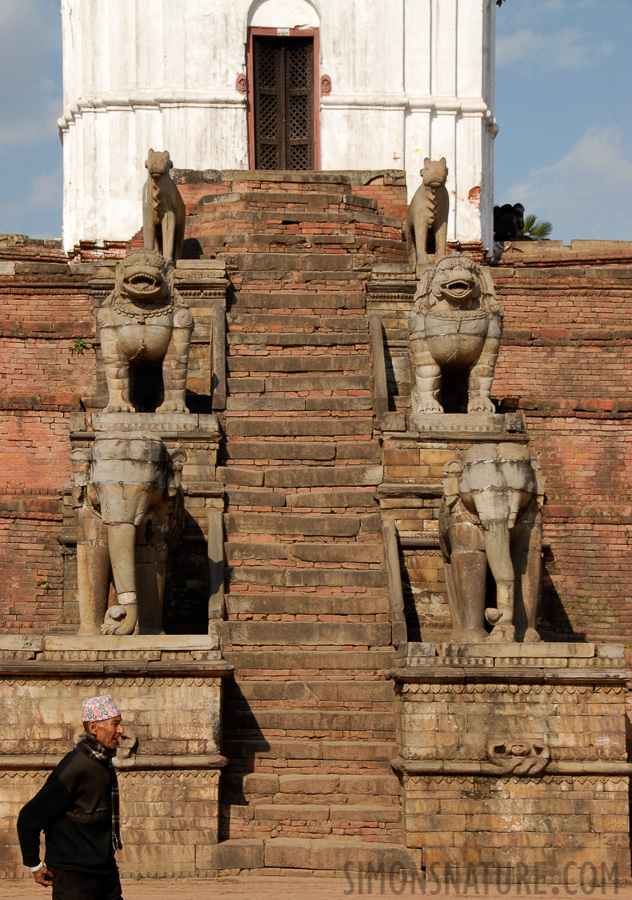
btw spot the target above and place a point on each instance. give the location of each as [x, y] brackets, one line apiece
[74, 810]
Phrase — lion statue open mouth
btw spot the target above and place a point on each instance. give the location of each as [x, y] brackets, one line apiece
[454, 326]
[143, 321]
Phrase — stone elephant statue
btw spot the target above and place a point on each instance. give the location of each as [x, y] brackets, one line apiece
[491, 515]
[132, 514]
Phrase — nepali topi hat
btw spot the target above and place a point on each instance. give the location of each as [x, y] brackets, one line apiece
[98, 709]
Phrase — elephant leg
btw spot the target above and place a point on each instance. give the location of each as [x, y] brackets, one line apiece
[93, 571]
[469, 570]
[526, 551]
[500, 563]
[122, 619]
[466, 571]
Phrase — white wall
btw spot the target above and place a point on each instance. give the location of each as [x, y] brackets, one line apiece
[410, 78]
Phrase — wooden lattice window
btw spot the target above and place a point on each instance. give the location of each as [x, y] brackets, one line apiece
[283, 70]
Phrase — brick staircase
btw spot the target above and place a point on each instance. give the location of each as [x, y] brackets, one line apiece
[309, 720]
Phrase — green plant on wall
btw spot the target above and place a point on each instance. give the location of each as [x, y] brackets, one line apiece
[78, 346]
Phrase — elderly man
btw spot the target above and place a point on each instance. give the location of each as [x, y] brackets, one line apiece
[78, 811]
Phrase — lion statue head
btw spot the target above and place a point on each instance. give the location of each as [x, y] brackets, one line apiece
[143, 276]
[458, 283]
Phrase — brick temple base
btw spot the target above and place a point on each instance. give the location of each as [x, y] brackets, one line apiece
[169, 689]
[513, 762]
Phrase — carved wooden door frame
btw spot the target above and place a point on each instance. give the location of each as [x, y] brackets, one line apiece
[253, 33]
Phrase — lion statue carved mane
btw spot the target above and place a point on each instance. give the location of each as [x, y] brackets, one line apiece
[455, 327]
[144, 321]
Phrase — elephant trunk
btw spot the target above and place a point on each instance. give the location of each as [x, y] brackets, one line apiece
[122, 619]
[497, 546]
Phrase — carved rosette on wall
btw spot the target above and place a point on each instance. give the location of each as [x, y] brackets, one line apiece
[325, 86]
[515, 756]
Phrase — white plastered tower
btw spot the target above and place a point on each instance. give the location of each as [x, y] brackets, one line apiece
[394, 81]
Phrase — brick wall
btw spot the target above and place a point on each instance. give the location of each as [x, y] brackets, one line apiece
[46, 364]
[565, 361]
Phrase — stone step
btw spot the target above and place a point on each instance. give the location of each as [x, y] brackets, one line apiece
[302, 634]
[285, 384]
[299, 301]
[310, 723]
[300, 787]
[324, 476]
[277, 451]
[293, 339]
[255, 234]
[360, 862]
[288, 577]
[273, 403]
[366, 665]
[305, 525]
[255, 322]
[361, 693]
[275, 426]
[341, 855]
[271, 604]
[270, 452]
[337, 221]
[300, 363]
[331, 552]
[287, 260]
[330, 756]
[359, 814]
[243, 199]
[380, 823]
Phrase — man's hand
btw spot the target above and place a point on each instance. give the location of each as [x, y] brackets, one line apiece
[43, 876]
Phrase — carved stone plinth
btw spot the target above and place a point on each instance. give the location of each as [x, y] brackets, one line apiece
[169, 688]
[513, 761]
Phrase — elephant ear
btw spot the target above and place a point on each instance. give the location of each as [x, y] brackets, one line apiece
[452, 482]
[540, 482]
[178, 458]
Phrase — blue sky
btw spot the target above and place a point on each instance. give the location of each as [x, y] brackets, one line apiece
[563, 89]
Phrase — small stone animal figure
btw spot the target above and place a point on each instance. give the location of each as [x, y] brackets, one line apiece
[163, 209]
[427, 220]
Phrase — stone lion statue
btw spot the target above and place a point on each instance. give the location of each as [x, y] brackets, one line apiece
[145, 321]
[454, 328]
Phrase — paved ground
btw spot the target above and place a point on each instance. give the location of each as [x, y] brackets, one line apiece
[313, 888]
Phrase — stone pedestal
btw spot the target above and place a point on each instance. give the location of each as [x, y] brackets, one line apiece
[513, 761]
[169, 688]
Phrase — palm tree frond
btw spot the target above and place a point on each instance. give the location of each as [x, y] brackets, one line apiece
[537, 228]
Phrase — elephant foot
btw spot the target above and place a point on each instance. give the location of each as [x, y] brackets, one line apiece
[92, 629]
[470, 636]
[502, 634]
[531, 636]
[120, 620]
